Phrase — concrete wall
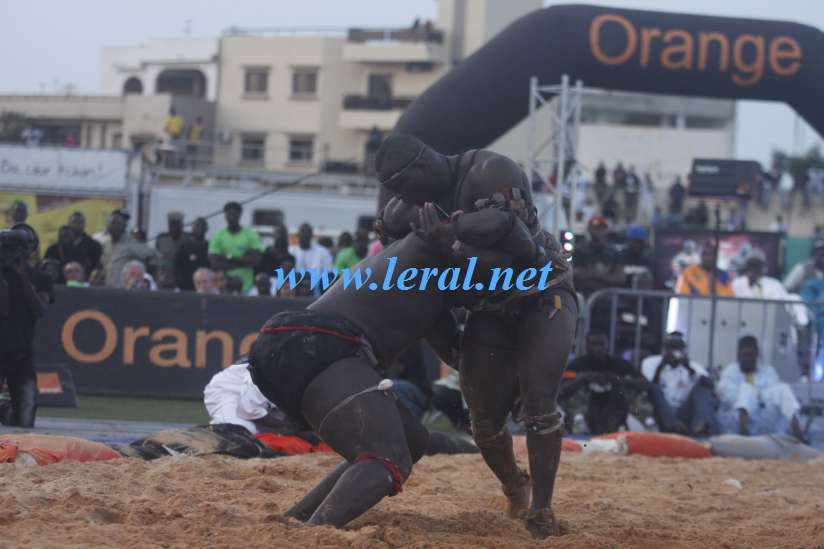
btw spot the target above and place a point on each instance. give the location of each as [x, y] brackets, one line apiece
[146, 61]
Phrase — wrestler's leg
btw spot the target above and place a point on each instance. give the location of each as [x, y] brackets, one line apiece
[544, 340]
[417, 438]
[366, 428]
[489, 383]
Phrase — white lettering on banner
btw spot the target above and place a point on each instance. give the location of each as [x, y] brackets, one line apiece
[70, 169]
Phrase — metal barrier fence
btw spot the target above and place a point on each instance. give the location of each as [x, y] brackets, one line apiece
[637, 320]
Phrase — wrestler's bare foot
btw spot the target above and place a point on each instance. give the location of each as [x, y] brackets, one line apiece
[541, 523]
[518, 497]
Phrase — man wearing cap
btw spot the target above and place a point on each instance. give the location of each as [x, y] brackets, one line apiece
[478, 204]
[805, 270]
[168, 243]
[636, 252]
[236, 250]
[119, 248]
[596, 261]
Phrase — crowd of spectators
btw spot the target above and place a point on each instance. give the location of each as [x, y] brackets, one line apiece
[233, 261]
[673, 393]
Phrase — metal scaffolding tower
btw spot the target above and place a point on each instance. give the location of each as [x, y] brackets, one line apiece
[557, 152]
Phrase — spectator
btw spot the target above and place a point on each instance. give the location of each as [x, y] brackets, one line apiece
[24, 296]
[233, 285]
[677, 195]
[119, 248]
[646, 201]
[698, 217]
[753, 284]
[805, 270]
[139, 235]
[276, 253]
[778, 226]
[619, 177]
[219, 281]
[695, 279]
[170, 242]
[600, 185]
[97, 279]
[235, 249]
[90, 249]
[18, 212]
[310, 255]
[636, 253]
[632, 190]
[52, 269]
[596, 261]
[754, 400]
[375, 247]
[64, 251]
[166, 279]
[812, 290]
[134, 276]
[735, 220]
[786, 185]
[74, 275]
[600, 377]
[609, 209]
[345, 240]
[412, 384]
[263, 285]
[193, 140]
[349, 258]
[447, 399]
[192, 255]
[770, 184]
[203, 281]
[689, 403]
[174, 125]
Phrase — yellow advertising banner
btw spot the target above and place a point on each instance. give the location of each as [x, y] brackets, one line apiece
[48, 213]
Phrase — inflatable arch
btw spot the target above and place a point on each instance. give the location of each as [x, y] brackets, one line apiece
[618, 49]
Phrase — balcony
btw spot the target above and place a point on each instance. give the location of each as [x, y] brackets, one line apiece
[409, 45]
[363, 112]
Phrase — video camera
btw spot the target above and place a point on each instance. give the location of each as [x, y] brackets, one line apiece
[16, 243]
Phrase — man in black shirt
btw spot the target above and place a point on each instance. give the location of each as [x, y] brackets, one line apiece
[65, 251]
[274, 255]
[596, 261]
[192, 255]
[90, 249]
[24, 295]
[601, 377]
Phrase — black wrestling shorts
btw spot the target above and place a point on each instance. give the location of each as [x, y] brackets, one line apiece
[294, 347]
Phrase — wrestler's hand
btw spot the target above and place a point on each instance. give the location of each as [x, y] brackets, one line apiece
[438, 234]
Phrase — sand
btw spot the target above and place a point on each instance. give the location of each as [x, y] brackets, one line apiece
[449, 501]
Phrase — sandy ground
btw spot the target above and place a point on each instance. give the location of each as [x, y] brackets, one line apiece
[448, 502]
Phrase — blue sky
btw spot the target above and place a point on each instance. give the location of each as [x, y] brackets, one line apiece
[46, 44]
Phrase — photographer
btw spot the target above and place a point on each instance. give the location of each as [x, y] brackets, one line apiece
[24, 296]
[689, 403]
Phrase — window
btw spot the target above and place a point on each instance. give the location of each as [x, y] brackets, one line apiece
[301, 149]
[380, 86]
[253, 148]
[256, 81]
[305, 81]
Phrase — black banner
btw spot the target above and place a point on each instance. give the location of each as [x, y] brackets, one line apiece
[618, 49]
[159, 344]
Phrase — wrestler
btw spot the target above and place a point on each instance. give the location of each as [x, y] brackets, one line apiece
[515, 345]
[325, 364]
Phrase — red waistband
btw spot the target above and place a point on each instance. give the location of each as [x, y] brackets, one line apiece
[359, 341]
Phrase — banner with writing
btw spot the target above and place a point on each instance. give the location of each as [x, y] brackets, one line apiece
[149, 344]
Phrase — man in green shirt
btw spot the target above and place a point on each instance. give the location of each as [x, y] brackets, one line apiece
[349, 257]
[235, 249]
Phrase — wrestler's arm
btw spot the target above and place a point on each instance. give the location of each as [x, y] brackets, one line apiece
[395, 218]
